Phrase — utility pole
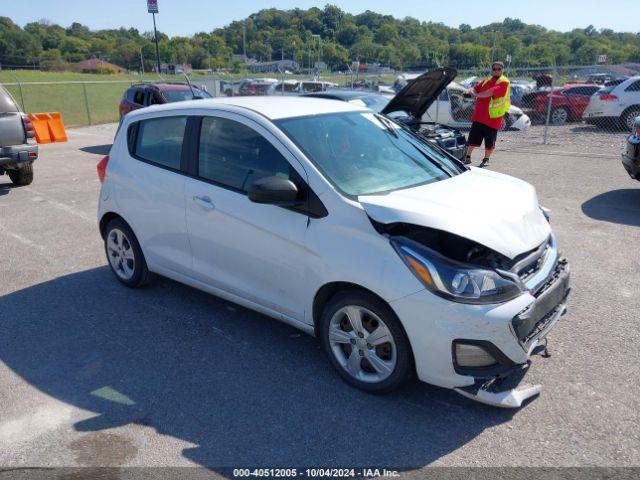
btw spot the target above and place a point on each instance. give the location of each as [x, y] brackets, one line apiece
[141, 63]
[152, 8]
[244, 39]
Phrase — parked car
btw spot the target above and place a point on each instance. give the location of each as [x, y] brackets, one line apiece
[295, 87]
[230, 88]
[567, 103]
[631, 158]
[409, 103]
[454, 107]
[146, 94]
[18, 149]
[618, 105]
[259, 86]
[337, 220]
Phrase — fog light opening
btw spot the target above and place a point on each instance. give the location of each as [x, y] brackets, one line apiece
[472, 356]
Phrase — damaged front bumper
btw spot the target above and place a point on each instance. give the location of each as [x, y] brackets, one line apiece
[511, 333]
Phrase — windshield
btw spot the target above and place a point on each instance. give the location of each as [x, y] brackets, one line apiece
[363, 153]
[182, 95]
[374, 102]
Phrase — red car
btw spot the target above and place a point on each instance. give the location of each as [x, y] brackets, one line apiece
[567, 102]
[145, 94]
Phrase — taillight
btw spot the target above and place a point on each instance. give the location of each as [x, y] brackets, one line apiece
[102, 168]
[607, 97]
[638, 132]
[28, 127]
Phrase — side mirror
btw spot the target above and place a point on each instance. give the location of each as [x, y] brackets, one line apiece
[275, 191]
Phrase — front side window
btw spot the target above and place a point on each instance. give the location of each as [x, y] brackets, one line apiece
[365, 153]
[138, 97]
[159, 140]
[235, 156]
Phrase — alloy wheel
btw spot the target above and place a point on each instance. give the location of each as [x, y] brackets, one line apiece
[362, 344]
[559, 116]
[120, 254]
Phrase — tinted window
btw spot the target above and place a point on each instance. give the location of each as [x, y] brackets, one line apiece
[138, 97]
[160, 140]
[634, 87]
[235, 155]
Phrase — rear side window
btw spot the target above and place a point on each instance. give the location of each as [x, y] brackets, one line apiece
[6, 102]
[634, 87]
[235, 155]
[159, 140]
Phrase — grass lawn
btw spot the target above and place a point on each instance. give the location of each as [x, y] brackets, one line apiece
[69, 98]
[104, 97]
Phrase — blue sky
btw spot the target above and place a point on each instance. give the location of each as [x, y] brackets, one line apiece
[185, 17]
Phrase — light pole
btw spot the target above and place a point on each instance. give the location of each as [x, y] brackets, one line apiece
[318, 37]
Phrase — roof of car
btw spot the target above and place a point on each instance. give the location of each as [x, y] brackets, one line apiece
[271, 107]
[344, 95]
[165, 86]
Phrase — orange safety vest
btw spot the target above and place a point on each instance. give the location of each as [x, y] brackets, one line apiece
[499, 106]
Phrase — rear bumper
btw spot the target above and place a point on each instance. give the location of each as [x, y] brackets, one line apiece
[16, 154]
[632, 166]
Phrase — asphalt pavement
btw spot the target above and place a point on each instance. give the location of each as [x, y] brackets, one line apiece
[95, 374]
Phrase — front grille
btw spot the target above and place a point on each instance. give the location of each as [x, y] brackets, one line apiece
[561, 267]
[531, 262]
[550, 298]
[542, 324]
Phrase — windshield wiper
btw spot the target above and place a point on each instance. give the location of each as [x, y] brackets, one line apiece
[432, 161]
[387, 125]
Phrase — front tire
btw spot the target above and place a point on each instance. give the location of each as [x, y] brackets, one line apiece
[365, 342]
[23, 176]
[124, 254]
[559, 116]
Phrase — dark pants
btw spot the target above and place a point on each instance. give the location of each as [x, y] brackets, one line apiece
[479, 132]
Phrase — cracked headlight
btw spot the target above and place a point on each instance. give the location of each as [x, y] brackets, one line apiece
[454, 280]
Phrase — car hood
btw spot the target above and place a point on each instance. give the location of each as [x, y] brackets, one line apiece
[495, 210]
[418, 95]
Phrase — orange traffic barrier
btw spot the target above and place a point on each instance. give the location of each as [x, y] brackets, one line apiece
[48, 127]
[40, 126]
[56, 127]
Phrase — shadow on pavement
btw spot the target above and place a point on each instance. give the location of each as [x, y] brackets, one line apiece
[617, 206]
[97, 149]
[5, 188]
[247, 390]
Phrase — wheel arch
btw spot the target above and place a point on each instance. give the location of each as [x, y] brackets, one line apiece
[329, 290]
[628, 109]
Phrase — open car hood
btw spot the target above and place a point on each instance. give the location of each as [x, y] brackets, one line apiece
[495, 210]
[418, 95]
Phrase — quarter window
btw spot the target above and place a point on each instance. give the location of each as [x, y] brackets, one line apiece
[235, 155]
[159, 140]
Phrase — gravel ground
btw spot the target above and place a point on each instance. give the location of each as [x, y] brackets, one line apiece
[94, 374]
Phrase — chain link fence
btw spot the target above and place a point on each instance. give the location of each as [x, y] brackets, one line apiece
[576, 109]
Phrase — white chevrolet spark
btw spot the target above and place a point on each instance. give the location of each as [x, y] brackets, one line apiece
[340, 222]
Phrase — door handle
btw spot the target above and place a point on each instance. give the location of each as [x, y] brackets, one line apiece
[204, 202]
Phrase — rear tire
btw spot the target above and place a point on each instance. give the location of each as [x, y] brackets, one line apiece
[124, 254]
[375, 356]
[628, 117]
[23, 176]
